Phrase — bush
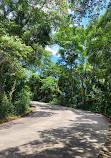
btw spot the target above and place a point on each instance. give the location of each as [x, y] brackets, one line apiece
[6, 107]
[55, 101]
[23, 101]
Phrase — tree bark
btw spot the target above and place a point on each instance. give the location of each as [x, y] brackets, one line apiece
[82, 87]
[12, 90]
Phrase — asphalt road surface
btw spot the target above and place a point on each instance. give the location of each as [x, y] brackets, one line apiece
[54, 132]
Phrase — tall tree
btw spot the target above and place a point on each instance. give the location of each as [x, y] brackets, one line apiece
[72, 41]
[99, 56]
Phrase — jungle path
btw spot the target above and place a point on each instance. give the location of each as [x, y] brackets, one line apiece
[53, 131]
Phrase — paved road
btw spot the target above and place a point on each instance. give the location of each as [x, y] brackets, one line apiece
[53, 132]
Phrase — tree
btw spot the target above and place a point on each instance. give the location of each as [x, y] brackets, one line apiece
[82, 74]
[89, 9]
[98, 51]
[72, 54]
[13, 54]
[35, 83]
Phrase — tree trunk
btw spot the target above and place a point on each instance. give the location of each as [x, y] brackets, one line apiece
[82, 87]
[1, 79]
[72, 84]
[12, 90]
[83, 91]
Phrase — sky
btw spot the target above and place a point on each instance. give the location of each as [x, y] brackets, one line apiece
[55, 48]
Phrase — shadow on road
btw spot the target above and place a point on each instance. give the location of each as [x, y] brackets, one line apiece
[41, 114]
[81, 140]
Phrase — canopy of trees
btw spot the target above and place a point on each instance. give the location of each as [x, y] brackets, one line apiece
[81, 77]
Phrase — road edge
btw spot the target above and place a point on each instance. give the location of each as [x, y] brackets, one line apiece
[105, 151]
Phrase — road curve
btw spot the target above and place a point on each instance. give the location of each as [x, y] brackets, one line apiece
[54, 132]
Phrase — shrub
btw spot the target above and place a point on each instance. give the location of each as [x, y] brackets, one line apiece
[23, 101]
[6, 107]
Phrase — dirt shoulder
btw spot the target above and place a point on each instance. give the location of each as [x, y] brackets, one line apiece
[106, 149]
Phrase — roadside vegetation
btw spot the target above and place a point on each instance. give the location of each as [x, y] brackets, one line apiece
[81, 78]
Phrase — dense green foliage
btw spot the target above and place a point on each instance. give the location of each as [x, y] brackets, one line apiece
[81, 77]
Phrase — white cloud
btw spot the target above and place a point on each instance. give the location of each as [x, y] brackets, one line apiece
[69, 11]
[53, 49]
